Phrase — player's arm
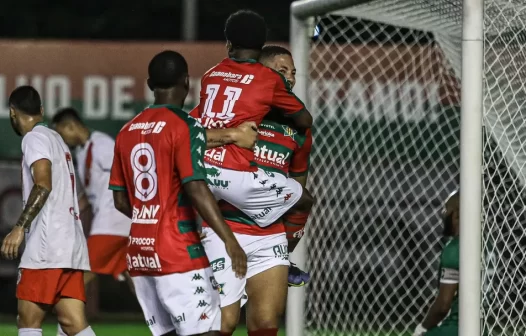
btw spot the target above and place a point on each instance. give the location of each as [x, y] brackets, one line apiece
[284, 100]
[300, 162]
[244, 136]
[446, 293]
[190, 144]
[37, 154]
[121, 200]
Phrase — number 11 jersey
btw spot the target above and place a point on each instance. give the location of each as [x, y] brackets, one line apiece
[235, 91]
[155, 154]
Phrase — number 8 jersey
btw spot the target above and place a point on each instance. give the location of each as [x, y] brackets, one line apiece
[155, 154]
[236, 91]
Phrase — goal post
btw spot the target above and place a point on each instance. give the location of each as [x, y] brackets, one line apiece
[383, 79]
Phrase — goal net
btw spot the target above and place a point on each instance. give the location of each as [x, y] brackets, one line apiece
[385, 92]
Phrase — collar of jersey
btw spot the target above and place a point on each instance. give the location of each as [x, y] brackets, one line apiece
[248, 60]
[40, 124]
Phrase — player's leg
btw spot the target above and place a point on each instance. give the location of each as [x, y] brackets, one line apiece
[36, 293]
[157, 318]
[268, 274]
[192, 300]
[229, 287]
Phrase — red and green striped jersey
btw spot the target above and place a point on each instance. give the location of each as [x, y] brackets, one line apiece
[156, 153]
[283, 150]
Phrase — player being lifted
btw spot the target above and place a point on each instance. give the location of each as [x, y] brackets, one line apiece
[444, 310]
[55, 256]
[244, 89]
[157, 176]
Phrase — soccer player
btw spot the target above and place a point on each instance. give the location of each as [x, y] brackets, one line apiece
[240, 89]
[279, 150]
[157, 175]
[55, 256]
[442, 316]
[108, 236]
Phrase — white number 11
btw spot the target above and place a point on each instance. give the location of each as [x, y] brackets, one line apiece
[232, 95]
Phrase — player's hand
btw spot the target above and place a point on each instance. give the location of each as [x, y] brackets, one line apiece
[238, 257]
[246, 135]
[12, 243]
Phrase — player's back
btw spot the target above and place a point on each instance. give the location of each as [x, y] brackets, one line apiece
[236, 91]
[56, 238]
[163, 235]
[94, 161]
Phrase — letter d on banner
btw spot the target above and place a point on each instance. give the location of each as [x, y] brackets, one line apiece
[96, 97]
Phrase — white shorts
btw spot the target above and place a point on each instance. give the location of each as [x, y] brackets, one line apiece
[262, 196]
[263, 253]
[185, 302]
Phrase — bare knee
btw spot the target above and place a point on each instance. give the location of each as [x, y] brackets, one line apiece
[305, 203]
[30, 315]
[230, 318]
[72, 324]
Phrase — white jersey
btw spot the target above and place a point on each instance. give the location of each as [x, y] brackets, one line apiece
[55, 238]
[94, 161]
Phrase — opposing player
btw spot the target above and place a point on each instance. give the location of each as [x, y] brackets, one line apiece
[442, 316]
[108, 237]
[279, 150]
[241, 89]
[55, 256]
[157, 175]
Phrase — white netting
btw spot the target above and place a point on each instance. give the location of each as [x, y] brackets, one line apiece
[386, 99]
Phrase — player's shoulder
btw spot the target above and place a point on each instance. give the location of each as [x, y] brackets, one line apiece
[39, 133]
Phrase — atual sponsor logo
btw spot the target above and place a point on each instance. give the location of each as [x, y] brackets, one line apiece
[143, 263]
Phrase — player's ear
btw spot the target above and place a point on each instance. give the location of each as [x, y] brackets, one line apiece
[228, 46]
[12, 112]
[187, 83]
[41, 110]
[149, 84]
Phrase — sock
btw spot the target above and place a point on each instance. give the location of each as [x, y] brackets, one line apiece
[60, 332]
[29, 332]
[264, 332]
[295, 223]
[225, 334]
[86, 332]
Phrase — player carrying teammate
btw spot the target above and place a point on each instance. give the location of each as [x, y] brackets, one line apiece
[444, 310]
[108, 237]
[55, 256]
[243, 89]
[157, 175]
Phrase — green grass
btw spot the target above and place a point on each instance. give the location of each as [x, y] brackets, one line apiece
[104, 329]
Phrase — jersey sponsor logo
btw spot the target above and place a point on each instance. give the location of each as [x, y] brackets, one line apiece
[216, 154]
[199, 290]
[197, 276]
[281, 251]
[151, 321]
[210, 123]
[144, 263]
[218, 264]
[289, 131]
[202, 303]
[266, 133]
[263, 124]
[178, 319]
[262, 214]
[269, 156]
[298, 234]
[147, 128]
[145, 215]
[214, 283]
[212, 172]
[203, 317]
[227, 75]
[141, 241]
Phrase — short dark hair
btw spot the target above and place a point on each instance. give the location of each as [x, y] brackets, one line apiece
[26, 99]
[167, 69]
[246, 29]
[269, 51]
[66, 114]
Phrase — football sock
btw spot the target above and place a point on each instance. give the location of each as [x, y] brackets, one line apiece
[264, 332]
[225, 334]
[29, 332]
[60, 332]
[86, 332]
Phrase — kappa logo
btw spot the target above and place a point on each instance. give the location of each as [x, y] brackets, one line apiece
[279, 191]
[199, 290]
[273, 186]
[203, 317]
[197, 276]
[255, 175]
[287, 197]
[202, 303]
[263, 182]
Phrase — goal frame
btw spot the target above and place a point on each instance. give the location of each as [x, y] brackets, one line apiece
[471, 152]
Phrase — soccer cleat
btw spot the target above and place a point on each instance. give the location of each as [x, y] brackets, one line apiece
[297, 277]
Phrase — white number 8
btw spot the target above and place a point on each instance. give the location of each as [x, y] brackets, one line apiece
[144, 169]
